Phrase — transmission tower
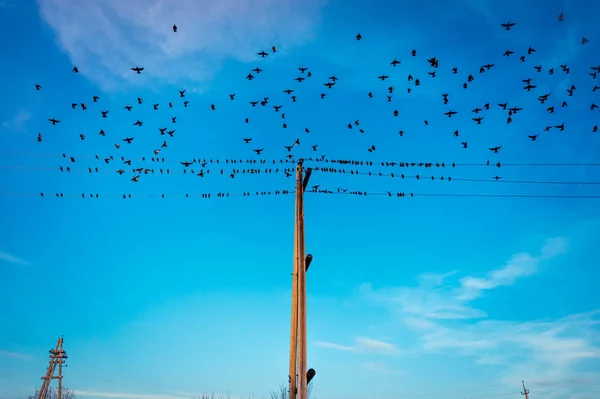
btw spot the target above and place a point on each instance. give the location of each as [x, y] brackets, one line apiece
[57, 358]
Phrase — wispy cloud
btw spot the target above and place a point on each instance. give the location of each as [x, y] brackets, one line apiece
[174, 395]
[520, 265]
[379, 367]
[15, 355]
[432, 299]
[541, 349]
[5, 256]
[128, 395]
[104, 38]
[18, 121]
[363, 345]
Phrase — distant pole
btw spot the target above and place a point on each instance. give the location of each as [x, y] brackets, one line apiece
[60, 365]
[525, 391]
[57, 358]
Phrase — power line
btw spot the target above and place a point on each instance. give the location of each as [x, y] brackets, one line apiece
[411, 195]
[273, 193]
[95, 195]
[202, 171]
[354, 162]
[406, 164]
[288, 172]
[495, 179]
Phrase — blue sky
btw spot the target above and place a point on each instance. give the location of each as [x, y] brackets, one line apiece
[168, 298]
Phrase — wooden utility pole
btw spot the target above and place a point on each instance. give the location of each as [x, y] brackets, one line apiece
[57, 358]
[293, 375]
[298, 370]
[525, 391]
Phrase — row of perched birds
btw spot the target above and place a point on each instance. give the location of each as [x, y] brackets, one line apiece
[203, 195]
[478, 114]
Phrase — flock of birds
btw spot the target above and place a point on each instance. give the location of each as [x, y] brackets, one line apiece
[478, 114]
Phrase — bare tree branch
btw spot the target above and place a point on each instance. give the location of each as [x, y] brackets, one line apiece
[53, 393]
[282, 392]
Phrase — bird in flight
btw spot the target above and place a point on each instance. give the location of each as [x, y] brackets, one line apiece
[174, 28]
[53, 121]
[137, 69]
[263, 54]
[358, 37]
[508, 25]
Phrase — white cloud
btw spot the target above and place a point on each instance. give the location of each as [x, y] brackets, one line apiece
[15, 355]
[542, 350]
[432, 299]
[372, 345]
[331, 345]
[174, 395]
[519, 266]
[104, 38]
[363, 345]
[12, 259]
[381, 368]
[17, 122]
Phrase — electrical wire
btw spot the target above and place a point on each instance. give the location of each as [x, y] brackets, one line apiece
[406, 164]
[411, 195]
[223, 195]
[289, 173]
[354, 162]
[93, 196]
[495, 179]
